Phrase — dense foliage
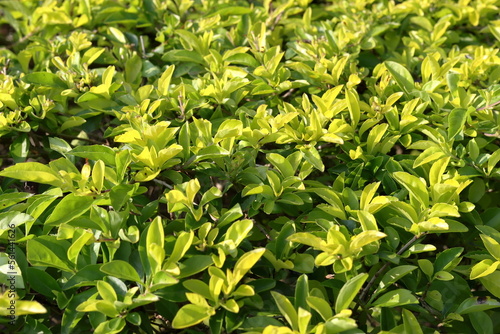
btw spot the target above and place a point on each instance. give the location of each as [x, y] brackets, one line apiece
[220, 166]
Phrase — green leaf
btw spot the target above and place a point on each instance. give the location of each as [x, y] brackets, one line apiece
[427, 267]
[122, 159]
[437, 170]
[113, 326]
[304, 317]
[303, 263]
[95, 152]
[340, 325]
[182, 245]
[228, 129]
[10, 199]
[155, 233]
[312, 156]
[194, 265]
[287, 310]
[254, 189]
[282, 164]
[121, 269]
[33, 172]
[492, 246]
[456, 121]
[495, 31]
[134, 318]
[106, 291]
[443, 276]
[98, 175]
[231, 305]
[364, 238]
[47, 251]
[211, 152]
[349, 291]
[198, 287]
[183, 56]
[492, 283]
[410, 323]
[477, 304]
[301, 293]
[42, 282]
[232, 10]
[282, 243]
[483, 268]
[71, 317]
[375, 136]
[493, 161]
[243, 59]
[164, 81]
[44, 79]
[92, 54]
[230, 215]
[77, 246]
[395, 298]
[367, 195]
[11, 219]
[120, 195]
[393, 276]
[84, 277]
[161, 280]
[481, 322]
[429, 155]
[133, 69]
[19, 148]
[445, 258]
[245, 263]
[309, 240]
[443, 210]
[69, 208]
[190, 315]
[367, 220]
[243, 290]
[353, 106]
[71, 122]
[401, 75]
[238, 231]
[22, 307]
[321, 306]
[415, 186]
[477, 190]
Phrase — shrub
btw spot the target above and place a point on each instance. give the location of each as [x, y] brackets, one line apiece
[250, 166]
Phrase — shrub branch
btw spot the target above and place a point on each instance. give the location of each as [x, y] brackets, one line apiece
[382, 269]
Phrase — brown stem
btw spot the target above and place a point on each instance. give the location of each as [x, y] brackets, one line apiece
[488, 106]
[383, 268]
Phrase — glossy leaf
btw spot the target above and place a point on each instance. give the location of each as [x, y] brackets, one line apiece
[477, 304]
[70, 207]
[401, 75]
[395, 298]
[121, 269]
[349, 291]
[287, 310]
[190, 315]
[33, 172]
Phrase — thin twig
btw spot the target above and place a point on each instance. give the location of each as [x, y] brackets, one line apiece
[93, 141]
[383, 268]
[23, 39]
[488, 106]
